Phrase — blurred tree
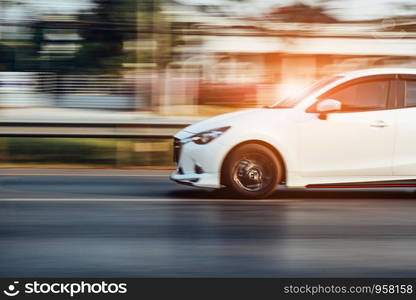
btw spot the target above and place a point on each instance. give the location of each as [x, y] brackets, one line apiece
[104, 30]
[7, 58]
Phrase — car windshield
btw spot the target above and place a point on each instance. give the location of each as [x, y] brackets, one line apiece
[294, 100]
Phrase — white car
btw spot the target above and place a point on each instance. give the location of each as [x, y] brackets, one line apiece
[356, 129]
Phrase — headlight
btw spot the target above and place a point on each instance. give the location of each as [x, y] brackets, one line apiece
[205, 137]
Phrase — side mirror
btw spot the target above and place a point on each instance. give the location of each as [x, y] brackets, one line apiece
[326, 106]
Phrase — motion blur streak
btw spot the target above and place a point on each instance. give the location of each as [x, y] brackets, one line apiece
[90, 67]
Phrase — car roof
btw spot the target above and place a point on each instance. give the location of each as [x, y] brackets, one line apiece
[377, 71]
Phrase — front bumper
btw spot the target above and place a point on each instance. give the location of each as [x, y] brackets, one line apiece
[199, 165]
[200, 180]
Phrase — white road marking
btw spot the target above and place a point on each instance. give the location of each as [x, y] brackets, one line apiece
[145, 200]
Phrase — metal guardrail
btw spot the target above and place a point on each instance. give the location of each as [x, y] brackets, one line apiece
[89, 129]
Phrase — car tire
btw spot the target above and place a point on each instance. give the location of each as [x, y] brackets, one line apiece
[252, 171]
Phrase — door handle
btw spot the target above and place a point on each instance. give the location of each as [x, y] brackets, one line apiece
[378, 124]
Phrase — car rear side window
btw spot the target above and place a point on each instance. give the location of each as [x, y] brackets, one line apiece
[362, 96]
[410, 93]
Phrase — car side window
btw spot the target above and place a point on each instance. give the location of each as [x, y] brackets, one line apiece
[410, 93]
[362, 96]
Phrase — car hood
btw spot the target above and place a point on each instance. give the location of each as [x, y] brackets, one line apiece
[243, 118]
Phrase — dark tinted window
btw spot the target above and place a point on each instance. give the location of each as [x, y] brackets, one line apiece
[367, 95]
[410, 94]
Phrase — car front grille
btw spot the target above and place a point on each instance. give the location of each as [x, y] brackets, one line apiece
[176, 150]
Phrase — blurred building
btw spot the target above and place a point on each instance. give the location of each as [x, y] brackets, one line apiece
[159, 54]
[249, 61]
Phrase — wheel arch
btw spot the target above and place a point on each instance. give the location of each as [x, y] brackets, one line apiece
[276, 152]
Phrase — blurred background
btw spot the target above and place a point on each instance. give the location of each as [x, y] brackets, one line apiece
[91, 93]
[107, 82]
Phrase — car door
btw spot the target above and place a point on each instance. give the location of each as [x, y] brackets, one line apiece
[404, 160]
[356, 141]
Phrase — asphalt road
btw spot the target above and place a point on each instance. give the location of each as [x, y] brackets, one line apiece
[139, 224]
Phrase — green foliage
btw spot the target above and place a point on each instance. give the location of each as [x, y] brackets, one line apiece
[107, 26]
[84, 151]
[55, 150]
[104, 29]
[7, 58]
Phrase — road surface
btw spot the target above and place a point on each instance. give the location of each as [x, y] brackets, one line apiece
[139, 224]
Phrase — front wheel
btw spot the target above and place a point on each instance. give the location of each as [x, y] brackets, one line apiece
[252, 171]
